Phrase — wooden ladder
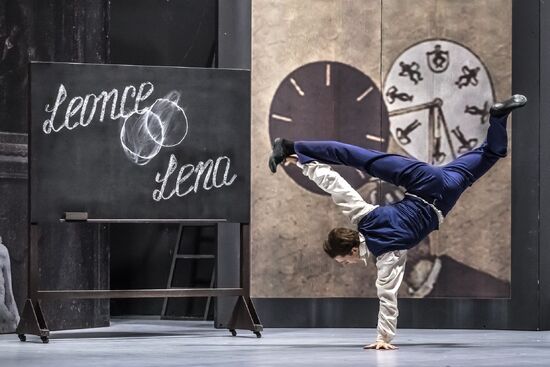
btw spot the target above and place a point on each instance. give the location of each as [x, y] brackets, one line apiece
[194, 257]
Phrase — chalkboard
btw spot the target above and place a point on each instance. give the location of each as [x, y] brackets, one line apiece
[137, 142]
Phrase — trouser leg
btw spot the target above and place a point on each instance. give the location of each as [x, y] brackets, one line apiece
[415, 176]
[476, 163]
[469, 167]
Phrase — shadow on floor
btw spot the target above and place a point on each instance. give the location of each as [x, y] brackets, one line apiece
[115, 334]
[434, 345]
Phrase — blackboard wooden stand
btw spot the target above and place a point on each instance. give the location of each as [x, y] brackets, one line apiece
[32, 319]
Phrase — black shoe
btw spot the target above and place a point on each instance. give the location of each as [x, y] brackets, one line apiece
[503, 108]
[282, 148]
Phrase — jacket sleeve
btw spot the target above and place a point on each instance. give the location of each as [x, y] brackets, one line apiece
[391, 267]
[351, 203]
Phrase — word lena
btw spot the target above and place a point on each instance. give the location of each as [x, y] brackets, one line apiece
[86, 106]
[207, 171]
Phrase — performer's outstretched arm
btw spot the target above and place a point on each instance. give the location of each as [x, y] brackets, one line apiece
[391, 267]
[343, 195]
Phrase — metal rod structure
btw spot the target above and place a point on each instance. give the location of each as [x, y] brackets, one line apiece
[141, 293]
[197, 222]
[32, 319]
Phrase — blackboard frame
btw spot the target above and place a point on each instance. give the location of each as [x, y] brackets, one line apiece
[215, 108]
[243, 315]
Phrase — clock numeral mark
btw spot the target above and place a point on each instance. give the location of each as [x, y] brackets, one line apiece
[393, 94]
[438, 60]
[403, 134]
[327, 76]
[411, 70]
[468, 77]
[364, 94]
[282, 118]
[483, 112]
[297, 87]
[375, 138]
[467, 144]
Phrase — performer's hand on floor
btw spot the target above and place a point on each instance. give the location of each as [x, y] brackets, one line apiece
[291, 159]
[381, 345]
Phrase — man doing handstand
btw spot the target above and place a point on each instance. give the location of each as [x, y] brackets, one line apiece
[389, 231]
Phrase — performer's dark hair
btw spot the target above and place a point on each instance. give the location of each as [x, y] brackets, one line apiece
[341, 241]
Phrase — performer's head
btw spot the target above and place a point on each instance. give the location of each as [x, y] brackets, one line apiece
[342, 245]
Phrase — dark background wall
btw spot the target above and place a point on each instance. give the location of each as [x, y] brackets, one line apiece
[147, 32]
[544, 247]
[159, 32]
[73, 257]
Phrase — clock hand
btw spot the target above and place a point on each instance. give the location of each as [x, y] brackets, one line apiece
[438, 102]
[436, 116]
[438, 155]
[441, 121]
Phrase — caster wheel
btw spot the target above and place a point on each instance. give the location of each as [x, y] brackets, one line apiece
[22, 337]
[258, 334]
[233, 332]
[45, 339]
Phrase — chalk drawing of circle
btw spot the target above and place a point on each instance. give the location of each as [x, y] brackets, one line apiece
[136, 139]
[173, 123]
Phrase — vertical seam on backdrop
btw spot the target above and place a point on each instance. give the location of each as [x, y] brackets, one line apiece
[107, 32]
[539, 326]
[381, 108]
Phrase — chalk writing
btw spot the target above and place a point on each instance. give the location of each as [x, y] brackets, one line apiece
[207, 171]
[86, 106]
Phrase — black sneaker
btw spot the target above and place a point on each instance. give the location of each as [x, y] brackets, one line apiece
[282, 148]
[503, 108]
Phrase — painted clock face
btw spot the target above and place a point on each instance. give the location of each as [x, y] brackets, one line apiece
[438, 94]
[329, 101]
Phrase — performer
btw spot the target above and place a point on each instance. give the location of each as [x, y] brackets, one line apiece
[388, 231]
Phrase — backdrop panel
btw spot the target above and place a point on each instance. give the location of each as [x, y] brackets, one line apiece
[345, 71]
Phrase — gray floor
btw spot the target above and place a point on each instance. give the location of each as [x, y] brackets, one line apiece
[184, 343]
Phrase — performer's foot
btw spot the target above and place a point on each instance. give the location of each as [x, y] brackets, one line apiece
[282, 148]
[503, 108]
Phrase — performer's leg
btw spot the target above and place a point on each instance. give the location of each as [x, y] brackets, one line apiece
[417, 177]
[477, 162]
[469, 167]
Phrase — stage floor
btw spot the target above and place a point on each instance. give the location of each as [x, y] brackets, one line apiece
[141, 342]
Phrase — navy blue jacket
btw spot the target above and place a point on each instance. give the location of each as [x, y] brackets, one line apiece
[398, 226]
